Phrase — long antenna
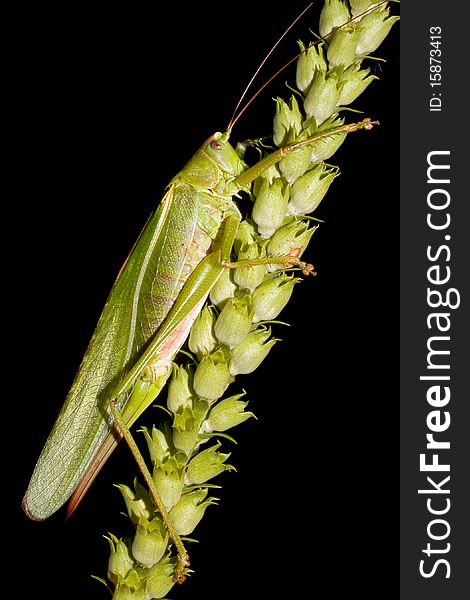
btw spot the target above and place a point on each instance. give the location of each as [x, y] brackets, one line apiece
[233, 119]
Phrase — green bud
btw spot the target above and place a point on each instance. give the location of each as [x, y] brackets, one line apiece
[297, 162]
[249, 278]
[247, 356]
[373, 29]
[354, 81]
[309, 190]
[200, 409]
[157, 444]
[246, 236]
[180, 391]
[138, 503]
[235, 319]
[160, 578]
[270, 206]
[223, 289]
[309, 63]
[342, 47]
[120, 562]
[334, 14]
[324, 148]
[272, 295]
[122, 592]
[287, 121]
[130, 588]
[190, 510]
[205, 465]
[270, 175]
[168, 478]
[186, 431]
[322, 97]
[150, 541]
[359, 6]
[201, 337]
[227, 413]
[290, 240]
[212, 374]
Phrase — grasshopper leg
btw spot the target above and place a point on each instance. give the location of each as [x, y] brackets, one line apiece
[290, 260]
[183, 557]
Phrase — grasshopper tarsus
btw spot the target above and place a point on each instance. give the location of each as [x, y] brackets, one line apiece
[307, 269]
[366, 124]
[183, 562]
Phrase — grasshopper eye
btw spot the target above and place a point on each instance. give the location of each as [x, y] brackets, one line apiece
[216, 145]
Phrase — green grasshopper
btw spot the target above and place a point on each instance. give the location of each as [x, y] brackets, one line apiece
[183, 250]
[158, 293]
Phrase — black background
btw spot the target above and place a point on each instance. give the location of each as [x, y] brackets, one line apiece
[108, 105]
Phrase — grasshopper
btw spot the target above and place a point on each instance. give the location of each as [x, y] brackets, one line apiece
[158, 293]
[183, 250]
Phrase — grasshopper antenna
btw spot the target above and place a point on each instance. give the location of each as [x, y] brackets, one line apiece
[357, 17]
[235, 117]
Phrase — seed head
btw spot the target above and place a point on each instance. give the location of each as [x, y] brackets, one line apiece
[150, 541]
[190, 510]
[247, 356]
[228, 413]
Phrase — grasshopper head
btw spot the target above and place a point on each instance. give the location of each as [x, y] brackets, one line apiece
[223, 154]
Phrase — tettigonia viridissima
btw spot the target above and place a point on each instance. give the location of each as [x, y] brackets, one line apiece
[173, 333]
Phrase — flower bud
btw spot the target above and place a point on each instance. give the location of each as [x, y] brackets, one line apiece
[168, 478]
[324, 148]
[123, 592]
[180, 391]
[247, 356]
[296, 162]
[354, 82]
[249, 278]
[201, 337]
[359, 6]
[309, 190]
[227, 413]
[290, 240]
[270, 206]
[270, 175]
[186, 431]
[138, 503]
[157, 444]
[212, 374]
[272, 295]
[246, 236]
[235, 319]
[120, 562]
[205, 465]
[223, 289]
[150, 541]
[322, 97]
[373, 29]
[200, 409]
[309, 63]
[334, 14]
[160, 578]
[190, 510]
[342, 47]
[287, 121]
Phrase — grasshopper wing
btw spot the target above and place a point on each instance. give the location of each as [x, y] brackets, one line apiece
[141, 297]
